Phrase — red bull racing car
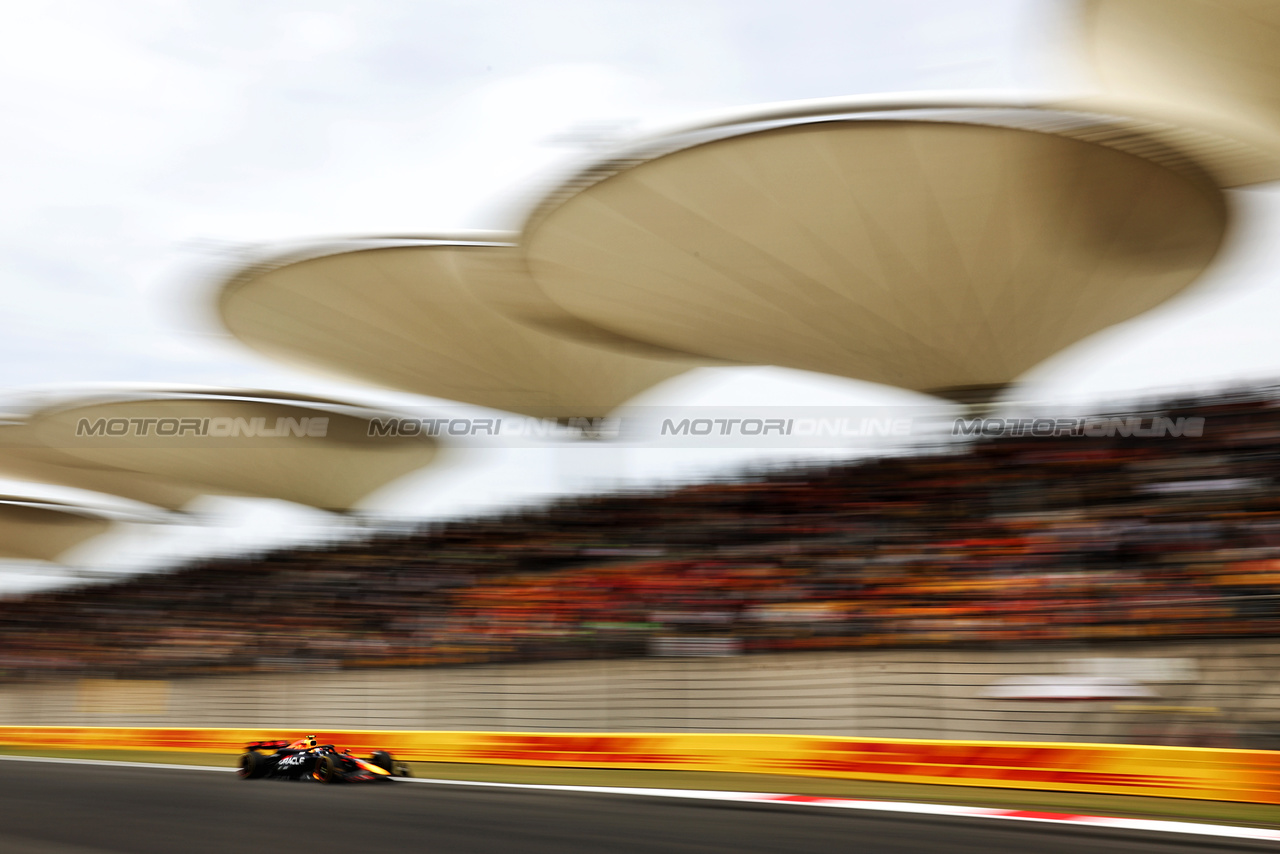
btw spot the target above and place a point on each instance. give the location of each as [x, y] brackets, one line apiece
[305, 760]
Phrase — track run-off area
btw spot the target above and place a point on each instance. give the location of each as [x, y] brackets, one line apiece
[88, 807]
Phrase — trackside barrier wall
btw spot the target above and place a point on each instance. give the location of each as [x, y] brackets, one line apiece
[1182, 772]
[1193, 694]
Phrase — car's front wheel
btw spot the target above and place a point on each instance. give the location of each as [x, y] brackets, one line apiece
[383, 760]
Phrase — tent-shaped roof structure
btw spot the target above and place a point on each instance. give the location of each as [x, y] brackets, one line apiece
[429, 316]
[24, 457]
[941, 252]
[1212, 65]
[32, 529]
[165, 448]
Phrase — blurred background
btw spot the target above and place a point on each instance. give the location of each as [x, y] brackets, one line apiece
[1083, 584]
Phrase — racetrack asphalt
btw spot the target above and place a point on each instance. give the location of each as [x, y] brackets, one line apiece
[66, 808]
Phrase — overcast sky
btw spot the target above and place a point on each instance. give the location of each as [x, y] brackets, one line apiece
[146, 143]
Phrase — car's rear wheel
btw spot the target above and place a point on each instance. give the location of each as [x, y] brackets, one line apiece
[252, 765]
[326, 770]
[383, 760]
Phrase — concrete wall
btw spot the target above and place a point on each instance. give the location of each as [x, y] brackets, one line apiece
[1200, 690]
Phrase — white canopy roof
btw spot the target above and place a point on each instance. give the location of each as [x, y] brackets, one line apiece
[929, 253]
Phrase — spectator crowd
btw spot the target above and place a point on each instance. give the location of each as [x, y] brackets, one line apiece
[1010, 540]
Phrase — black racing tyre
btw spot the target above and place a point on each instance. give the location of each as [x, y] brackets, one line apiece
[383, 760]
[326, 770]
[252, 766]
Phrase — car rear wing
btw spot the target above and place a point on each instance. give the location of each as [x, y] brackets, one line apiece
[266, 745]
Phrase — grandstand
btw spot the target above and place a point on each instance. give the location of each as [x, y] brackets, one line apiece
[1009, 542]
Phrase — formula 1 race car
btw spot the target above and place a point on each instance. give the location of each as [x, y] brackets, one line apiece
[305, 760]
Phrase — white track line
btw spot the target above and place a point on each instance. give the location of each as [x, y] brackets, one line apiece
[115, 763]
[1157, 825]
